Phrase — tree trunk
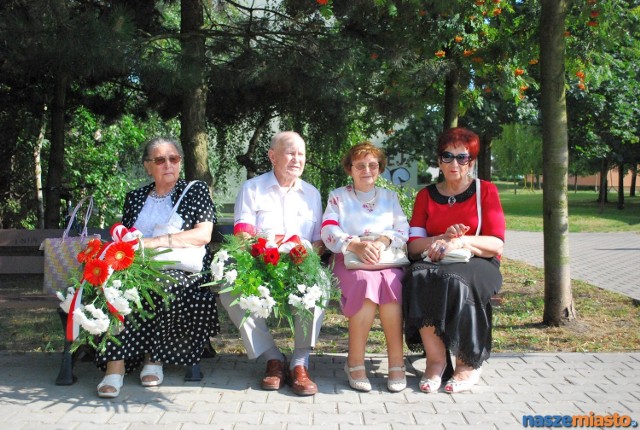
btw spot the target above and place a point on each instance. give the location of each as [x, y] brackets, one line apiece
[604, 191]
[193, 131]
[451, 98]
[484, 158]
[37, 163]
[558, 299]
[621, 186]
[634, 175]
[248, 158]
[54, 191]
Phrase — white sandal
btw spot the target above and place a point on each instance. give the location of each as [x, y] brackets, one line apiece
[454, 386]
[397, 385]
[114, 380]
[152, 370]
[430, 385]
[361, 384]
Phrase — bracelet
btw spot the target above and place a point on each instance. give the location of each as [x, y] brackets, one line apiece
[169, 239]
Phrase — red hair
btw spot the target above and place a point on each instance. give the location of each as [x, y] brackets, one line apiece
[459, 136]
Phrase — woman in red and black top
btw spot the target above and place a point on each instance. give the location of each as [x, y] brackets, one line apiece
[447, 306]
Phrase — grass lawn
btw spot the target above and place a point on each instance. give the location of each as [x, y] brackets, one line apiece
[523, 211]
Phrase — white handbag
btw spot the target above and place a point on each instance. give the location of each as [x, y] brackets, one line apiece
[389, 258]
[461, 255]
[187, 259]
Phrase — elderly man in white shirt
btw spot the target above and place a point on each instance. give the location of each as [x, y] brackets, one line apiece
[278, 204]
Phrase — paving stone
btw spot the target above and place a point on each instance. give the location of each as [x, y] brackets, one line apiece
[373, 418]
[315, 426]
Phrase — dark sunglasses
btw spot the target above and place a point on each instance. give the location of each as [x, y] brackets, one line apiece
[159, 161]
[462, 159]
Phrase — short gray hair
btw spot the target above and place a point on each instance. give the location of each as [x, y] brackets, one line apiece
[281, 136]
[157, 141]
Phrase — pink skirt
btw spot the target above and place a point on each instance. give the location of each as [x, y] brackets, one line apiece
[379, 286]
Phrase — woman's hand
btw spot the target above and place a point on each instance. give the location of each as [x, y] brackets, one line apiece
[456, 230]
[367, 251]
[439, 248]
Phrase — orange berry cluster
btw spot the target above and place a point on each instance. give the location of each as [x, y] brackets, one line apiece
[593, 14]
[580, 75]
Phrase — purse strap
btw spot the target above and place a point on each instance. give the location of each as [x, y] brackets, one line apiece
[175, 207]
[479, 206]
[87, 215]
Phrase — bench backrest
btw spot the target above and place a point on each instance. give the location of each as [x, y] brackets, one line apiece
[20, 249]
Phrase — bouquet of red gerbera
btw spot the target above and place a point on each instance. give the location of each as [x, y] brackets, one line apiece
[118, 278]
[284, 279]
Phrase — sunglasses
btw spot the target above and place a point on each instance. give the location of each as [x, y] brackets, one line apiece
[372, 166]
[159, 161]
[462, 159]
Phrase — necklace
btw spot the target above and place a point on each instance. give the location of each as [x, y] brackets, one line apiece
[375, 194]
[451, 200]
[155, 194]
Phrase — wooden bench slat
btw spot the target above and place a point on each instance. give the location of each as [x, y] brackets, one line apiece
[27, 237]
[10, 265]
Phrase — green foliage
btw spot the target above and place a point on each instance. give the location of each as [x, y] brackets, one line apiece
[406, 195]
[264, 281]
[518, 151]
[337, 73]
[106, 160]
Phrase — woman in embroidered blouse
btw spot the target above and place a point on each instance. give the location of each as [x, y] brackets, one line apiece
[179, 333]
[447, 306]
[354, 212]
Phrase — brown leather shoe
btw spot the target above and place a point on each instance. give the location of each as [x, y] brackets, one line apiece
[274, 376]
[302, 385]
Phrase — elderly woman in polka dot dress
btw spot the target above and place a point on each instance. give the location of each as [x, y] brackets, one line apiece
[176, 335]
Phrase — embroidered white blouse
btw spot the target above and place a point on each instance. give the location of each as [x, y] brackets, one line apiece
[347, 217]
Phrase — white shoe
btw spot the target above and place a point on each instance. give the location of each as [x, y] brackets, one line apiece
[455, 386]
[152, 370]
[430, 385]
[114, 380]
[397, 385]
[361, 384]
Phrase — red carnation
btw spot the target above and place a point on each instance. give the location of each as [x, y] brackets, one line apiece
[259, 247]
[322, 2]
[271, 256]
[298, 254]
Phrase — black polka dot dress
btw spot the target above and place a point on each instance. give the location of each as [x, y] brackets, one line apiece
[179, 333]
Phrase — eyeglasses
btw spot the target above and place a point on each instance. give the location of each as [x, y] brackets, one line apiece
[462, 159]
[159, 161]
[372, 166]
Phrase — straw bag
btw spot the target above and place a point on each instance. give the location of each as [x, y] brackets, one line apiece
[187, 259]
[60, 263]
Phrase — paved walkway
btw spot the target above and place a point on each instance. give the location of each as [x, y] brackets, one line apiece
[512, 385]
[607, 260]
